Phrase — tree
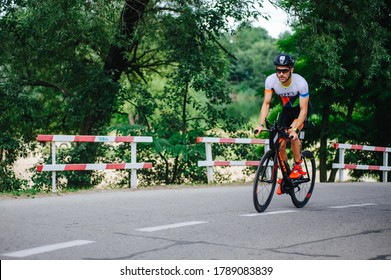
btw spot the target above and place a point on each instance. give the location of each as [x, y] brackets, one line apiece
[254, 51]
[340, 50]
[195, 93]
[73, 57]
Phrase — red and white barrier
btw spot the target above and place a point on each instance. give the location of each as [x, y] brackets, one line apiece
[92, 138]
[341, 164]
[228, 163]
[92, 166]
[133, 165]
[362, 147]
[209, 163]
[231, 140]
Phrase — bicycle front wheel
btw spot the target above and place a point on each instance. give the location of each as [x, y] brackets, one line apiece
[265, 182]
[303, 187]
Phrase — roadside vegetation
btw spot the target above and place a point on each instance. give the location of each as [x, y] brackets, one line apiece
[176, 70]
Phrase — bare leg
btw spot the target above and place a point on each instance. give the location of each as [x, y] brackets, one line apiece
[283, 150]
[296, 146]
[296, 150]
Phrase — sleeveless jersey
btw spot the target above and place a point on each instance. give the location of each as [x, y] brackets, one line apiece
[289, 95]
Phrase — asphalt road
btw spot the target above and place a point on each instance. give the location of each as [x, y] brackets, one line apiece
[344, 221]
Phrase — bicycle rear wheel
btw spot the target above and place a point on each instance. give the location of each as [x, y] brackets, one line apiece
[303, 187]
[264, 182]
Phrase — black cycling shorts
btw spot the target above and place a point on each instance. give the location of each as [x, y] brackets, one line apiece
[289, 114]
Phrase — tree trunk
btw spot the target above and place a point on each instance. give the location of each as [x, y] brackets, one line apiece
[115, 64]
[354, 98]
[175, 170]
[104, 100]
[334, 171]
[184, 108]
[132, 14]
[324, 135]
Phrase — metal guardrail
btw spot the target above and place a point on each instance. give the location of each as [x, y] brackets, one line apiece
[209, 163]
[133, 165]
[341, 165]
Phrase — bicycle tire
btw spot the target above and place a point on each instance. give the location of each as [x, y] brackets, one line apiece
[302, 192]
[264, 182]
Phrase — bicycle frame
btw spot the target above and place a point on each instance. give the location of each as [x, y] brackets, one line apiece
[300, 190]
[279, 162]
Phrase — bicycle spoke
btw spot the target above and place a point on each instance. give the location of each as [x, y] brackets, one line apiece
[303, 188]
[264, 183]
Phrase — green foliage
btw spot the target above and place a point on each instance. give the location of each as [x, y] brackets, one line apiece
[193, 98]
[176, 70]
[51, 67]
[79, 62]
[9, 181]
[254, 51]
[18, 120]
[340, 51]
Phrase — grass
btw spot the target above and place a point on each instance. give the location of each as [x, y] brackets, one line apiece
[32, 192]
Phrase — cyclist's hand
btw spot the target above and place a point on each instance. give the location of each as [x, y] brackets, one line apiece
[293, 135]
[258, 130]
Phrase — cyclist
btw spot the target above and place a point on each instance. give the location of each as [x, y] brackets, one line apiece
[293, 91]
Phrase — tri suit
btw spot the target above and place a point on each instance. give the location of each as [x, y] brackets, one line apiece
[290, 96]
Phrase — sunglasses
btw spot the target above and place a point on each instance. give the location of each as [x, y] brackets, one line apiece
[283, 71]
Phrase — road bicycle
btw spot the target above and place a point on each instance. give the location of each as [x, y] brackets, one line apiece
[300, 190]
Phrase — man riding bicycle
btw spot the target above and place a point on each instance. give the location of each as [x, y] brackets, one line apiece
[294, 93]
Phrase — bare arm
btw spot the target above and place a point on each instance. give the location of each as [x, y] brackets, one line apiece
[303, 112]
[264, 111]
[302, 117]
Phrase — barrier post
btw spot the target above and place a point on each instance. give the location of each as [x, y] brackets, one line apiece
[133, 159]
[385, 163]
[209, 169]
[267, 147]
[54, 179]
[341, 161]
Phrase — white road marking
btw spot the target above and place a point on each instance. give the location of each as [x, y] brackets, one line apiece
[150, 229]
[352, 205]
[269, 213]
[47, 248]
